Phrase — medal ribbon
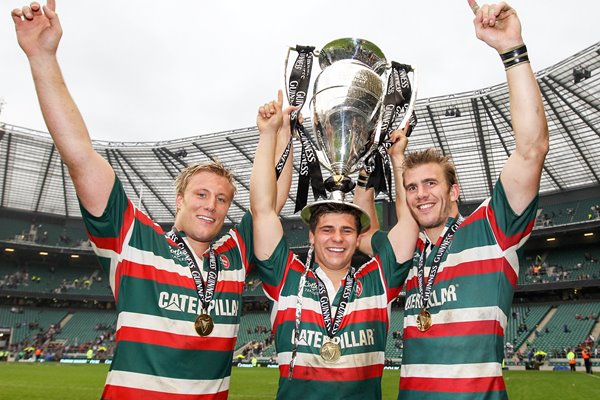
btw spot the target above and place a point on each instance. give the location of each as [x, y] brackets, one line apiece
[333, 325]
[206, 290]
[299, 310]
[437, 260]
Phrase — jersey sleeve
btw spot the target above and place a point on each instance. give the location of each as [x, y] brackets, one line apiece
[245, 239]
[510, 228]
[394, 273]
[272, 270]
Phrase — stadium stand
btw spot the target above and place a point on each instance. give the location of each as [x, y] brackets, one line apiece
[39, 213]
[569, 327]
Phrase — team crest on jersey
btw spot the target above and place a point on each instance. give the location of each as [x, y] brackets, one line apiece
[358, 288]
[224, 261]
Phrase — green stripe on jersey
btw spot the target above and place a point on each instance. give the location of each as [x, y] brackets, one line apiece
[171, 362]
[420, 395]
[327, 390]
[176, 302]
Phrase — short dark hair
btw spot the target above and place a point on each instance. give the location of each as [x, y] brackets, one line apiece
[333, 208]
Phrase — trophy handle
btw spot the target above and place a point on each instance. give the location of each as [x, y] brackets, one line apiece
[413, 99]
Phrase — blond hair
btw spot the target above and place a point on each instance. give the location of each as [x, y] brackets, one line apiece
[431, 155]
[213, 167]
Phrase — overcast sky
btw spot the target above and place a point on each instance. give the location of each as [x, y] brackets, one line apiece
[160, 70]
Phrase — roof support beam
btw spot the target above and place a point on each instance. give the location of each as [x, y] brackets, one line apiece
[574, 93]
[509, 123]
[131, 183]
[568, 132]
[147, 184]
[243, 152]
[436, 131]
[482, 146]
[161, 157]
[574, 109]
[6, 162]
[174, 157]
[64, 187]
[44, 178]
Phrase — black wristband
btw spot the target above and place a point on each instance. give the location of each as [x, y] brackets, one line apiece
[515, 56]
[362, 181]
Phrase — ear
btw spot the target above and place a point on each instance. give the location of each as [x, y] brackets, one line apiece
[178, 201]
[311, 238]
[358, 239]
[454, 192]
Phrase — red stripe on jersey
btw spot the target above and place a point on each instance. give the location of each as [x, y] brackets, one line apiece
[507, 241]
[332, 374]
[479, 267]
[291, 264]
[308, 316]
[166, 339]
[368, 267]
[144, 271]
[144, 219]
[112, 392]
[488, 327]
[227, 244]
[116, 243]
[453, 385]
[370, 315]
[229, 286]
[243, 250]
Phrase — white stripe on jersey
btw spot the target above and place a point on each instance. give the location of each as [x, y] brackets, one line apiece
[166, 385]
[474, 314]
[175, 326]
[451, 371]
[345, 361]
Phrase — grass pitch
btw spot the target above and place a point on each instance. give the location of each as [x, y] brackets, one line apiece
[53, 381]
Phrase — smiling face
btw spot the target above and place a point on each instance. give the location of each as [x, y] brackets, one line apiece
[430, 198]
[335, 239]
[202, 208]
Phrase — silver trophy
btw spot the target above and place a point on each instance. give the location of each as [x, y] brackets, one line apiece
[348, 108]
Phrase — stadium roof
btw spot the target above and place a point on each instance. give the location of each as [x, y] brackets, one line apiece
[474, 128]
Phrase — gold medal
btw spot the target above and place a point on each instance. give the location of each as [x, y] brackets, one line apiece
[331, 352]
[204, 325]
[424, 320]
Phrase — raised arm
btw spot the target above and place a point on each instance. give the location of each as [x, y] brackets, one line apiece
[365, 199]
[499, 27]
[284, 183]
[38, 33]
[267, 228]
[403, 234]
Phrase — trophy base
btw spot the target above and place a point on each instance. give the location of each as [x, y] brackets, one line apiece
[339, 183]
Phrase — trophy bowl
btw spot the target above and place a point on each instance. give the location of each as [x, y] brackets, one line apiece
[346, 104]
[355, 100]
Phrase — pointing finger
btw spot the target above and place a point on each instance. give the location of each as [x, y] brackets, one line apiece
[474, 6]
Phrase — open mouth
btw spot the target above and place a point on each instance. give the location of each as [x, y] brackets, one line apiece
[207, 219]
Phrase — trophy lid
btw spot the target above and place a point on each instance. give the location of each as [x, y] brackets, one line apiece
[365, 221]
[354, 49]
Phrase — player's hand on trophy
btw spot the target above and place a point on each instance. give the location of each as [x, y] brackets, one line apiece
[497, 25]
[38, 28]
[399, 142]
[285, 126]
